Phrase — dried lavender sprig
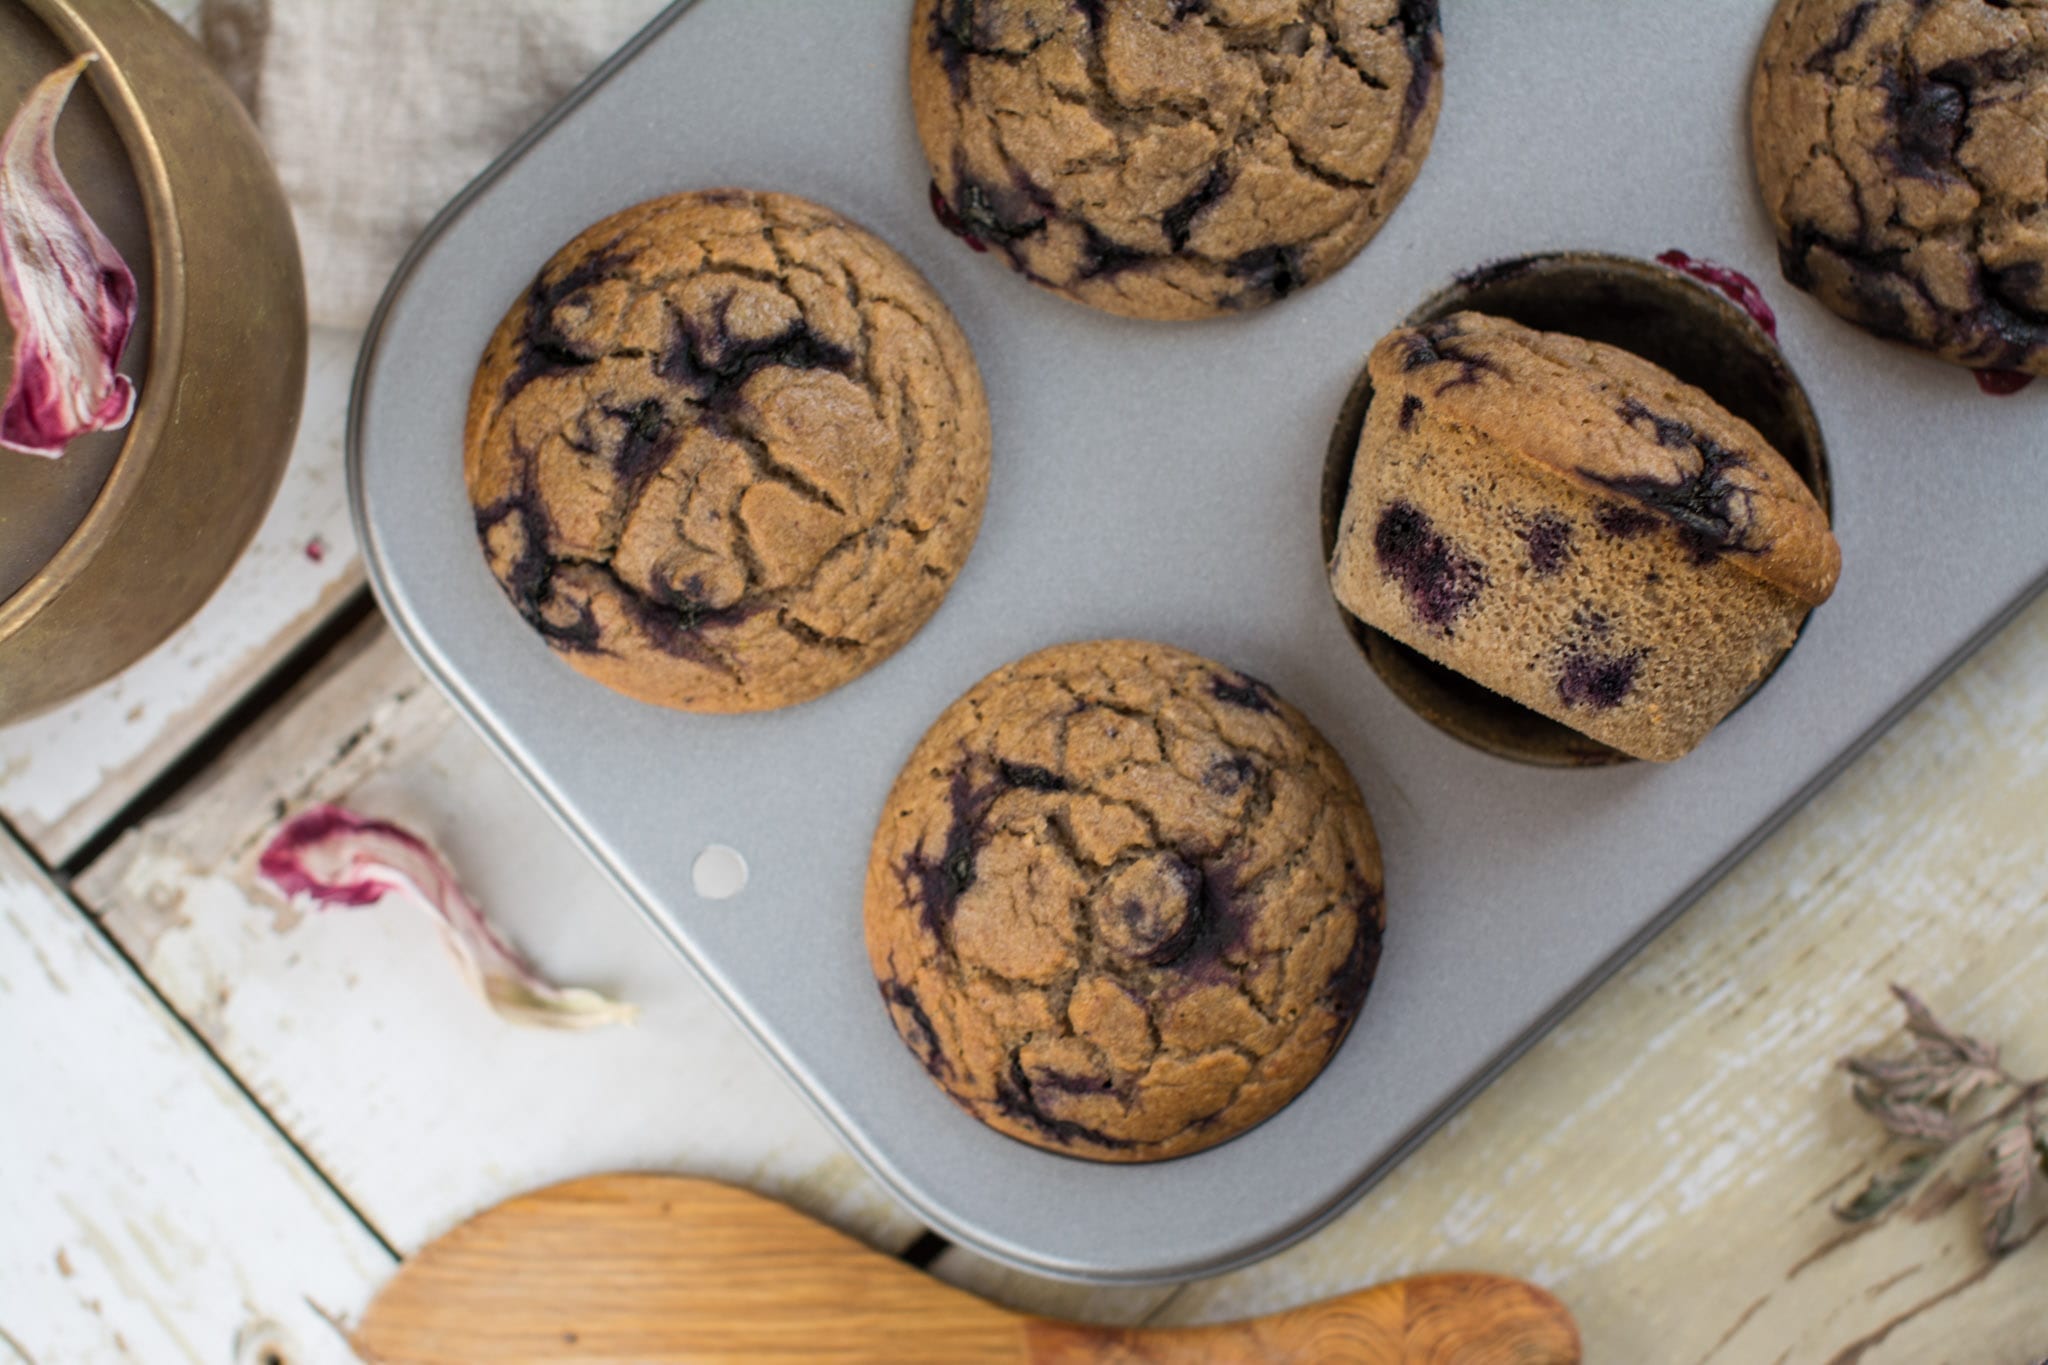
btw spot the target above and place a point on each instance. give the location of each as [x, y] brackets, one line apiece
[1916, 1098]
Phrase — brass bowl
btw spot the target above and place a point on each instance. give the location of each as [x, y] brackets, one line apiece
[1667, 318]
[105, 552]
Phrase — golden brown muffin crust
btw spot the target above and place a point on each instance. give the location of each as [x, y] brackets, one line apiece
[1123, 902]
[1619, 426]
[729, 451]
[1575, 529]
[1174, 158]
[1902, 148]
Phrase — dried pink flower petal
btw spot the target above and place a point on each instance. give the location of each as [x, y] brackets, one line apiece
[67, 292]
[330, 857]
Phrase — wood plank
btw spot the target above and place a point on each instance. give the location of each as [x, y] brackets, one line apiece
[151, 1212]
[354, 1030]
[1665, 1161]
[65, 773]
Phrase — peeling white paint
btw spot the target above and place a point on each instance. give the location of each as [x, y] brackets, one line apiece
[163, 1207]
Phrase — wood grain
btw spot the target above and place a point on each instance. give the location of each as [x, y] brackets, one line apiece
[1444, 1319]
[148, 1211]
[657, 1269]
[357, 1034]
[647, 1269]
[64, 774]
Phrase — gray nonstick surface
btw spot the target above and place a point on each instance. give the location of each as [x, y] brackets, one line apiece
[1162, 481]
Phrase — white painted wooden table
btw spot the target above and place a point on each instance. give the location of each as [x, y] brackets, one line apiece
[221, 1123]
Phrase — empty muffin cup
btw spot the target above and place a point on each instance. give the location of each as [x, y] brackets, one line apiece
[1654, 313]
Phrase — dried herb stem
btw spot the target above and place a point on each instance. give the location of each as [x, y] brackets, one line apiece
[1918, 1098]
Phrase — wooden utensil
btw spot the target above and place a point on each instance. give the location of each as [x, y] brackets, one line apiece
[653, 1269]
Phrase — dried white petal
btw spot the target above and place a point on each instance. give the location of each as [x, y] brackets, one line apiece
[68, 294]
[2004, 1189]
[328, 857]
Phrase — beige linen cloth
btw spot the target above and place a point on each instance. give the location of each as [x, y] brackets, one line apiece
[377, 111]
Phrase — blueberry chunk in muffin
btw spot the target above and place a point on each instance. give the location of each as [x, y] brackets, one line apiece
[1902, 148]
[1576, 529]
[1174, 158]
[728, 451]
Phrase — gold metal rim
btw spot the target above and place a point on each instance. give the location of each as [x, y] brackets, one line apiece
[167, 325]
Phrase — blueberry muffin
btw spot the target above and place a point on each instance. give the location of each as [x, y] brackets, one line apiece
[1124, 903]
[1902, 146]
[1576, 529]
[728, 452]
[1174, 158]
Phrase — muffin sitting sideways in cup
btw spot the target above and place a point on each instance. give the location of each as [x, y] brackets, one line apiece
[1577, 529]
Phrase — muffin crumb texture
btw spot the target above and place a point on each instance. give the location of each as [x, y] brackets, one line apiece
[1902, 147]
[1123, 903]
[1576, 529]
[728, 452]
[1174, 158]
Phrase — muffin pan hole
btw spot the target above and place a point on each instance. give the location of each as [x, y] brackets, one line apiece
[719, 873]
[1657, 313]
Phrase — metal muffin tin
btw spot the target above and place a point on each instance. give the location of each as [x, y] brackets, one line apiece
[1162, 481]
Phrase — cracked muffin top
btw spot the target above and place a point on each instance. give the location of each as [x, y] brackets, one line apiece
[728, 452]
[1619, 426]
[1902, 147]
[1124, 902]
[1174, 158]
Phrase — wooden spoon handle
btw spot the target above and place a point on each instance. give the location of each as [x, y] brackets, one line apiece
[659, 1270]
[1452, 1319]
